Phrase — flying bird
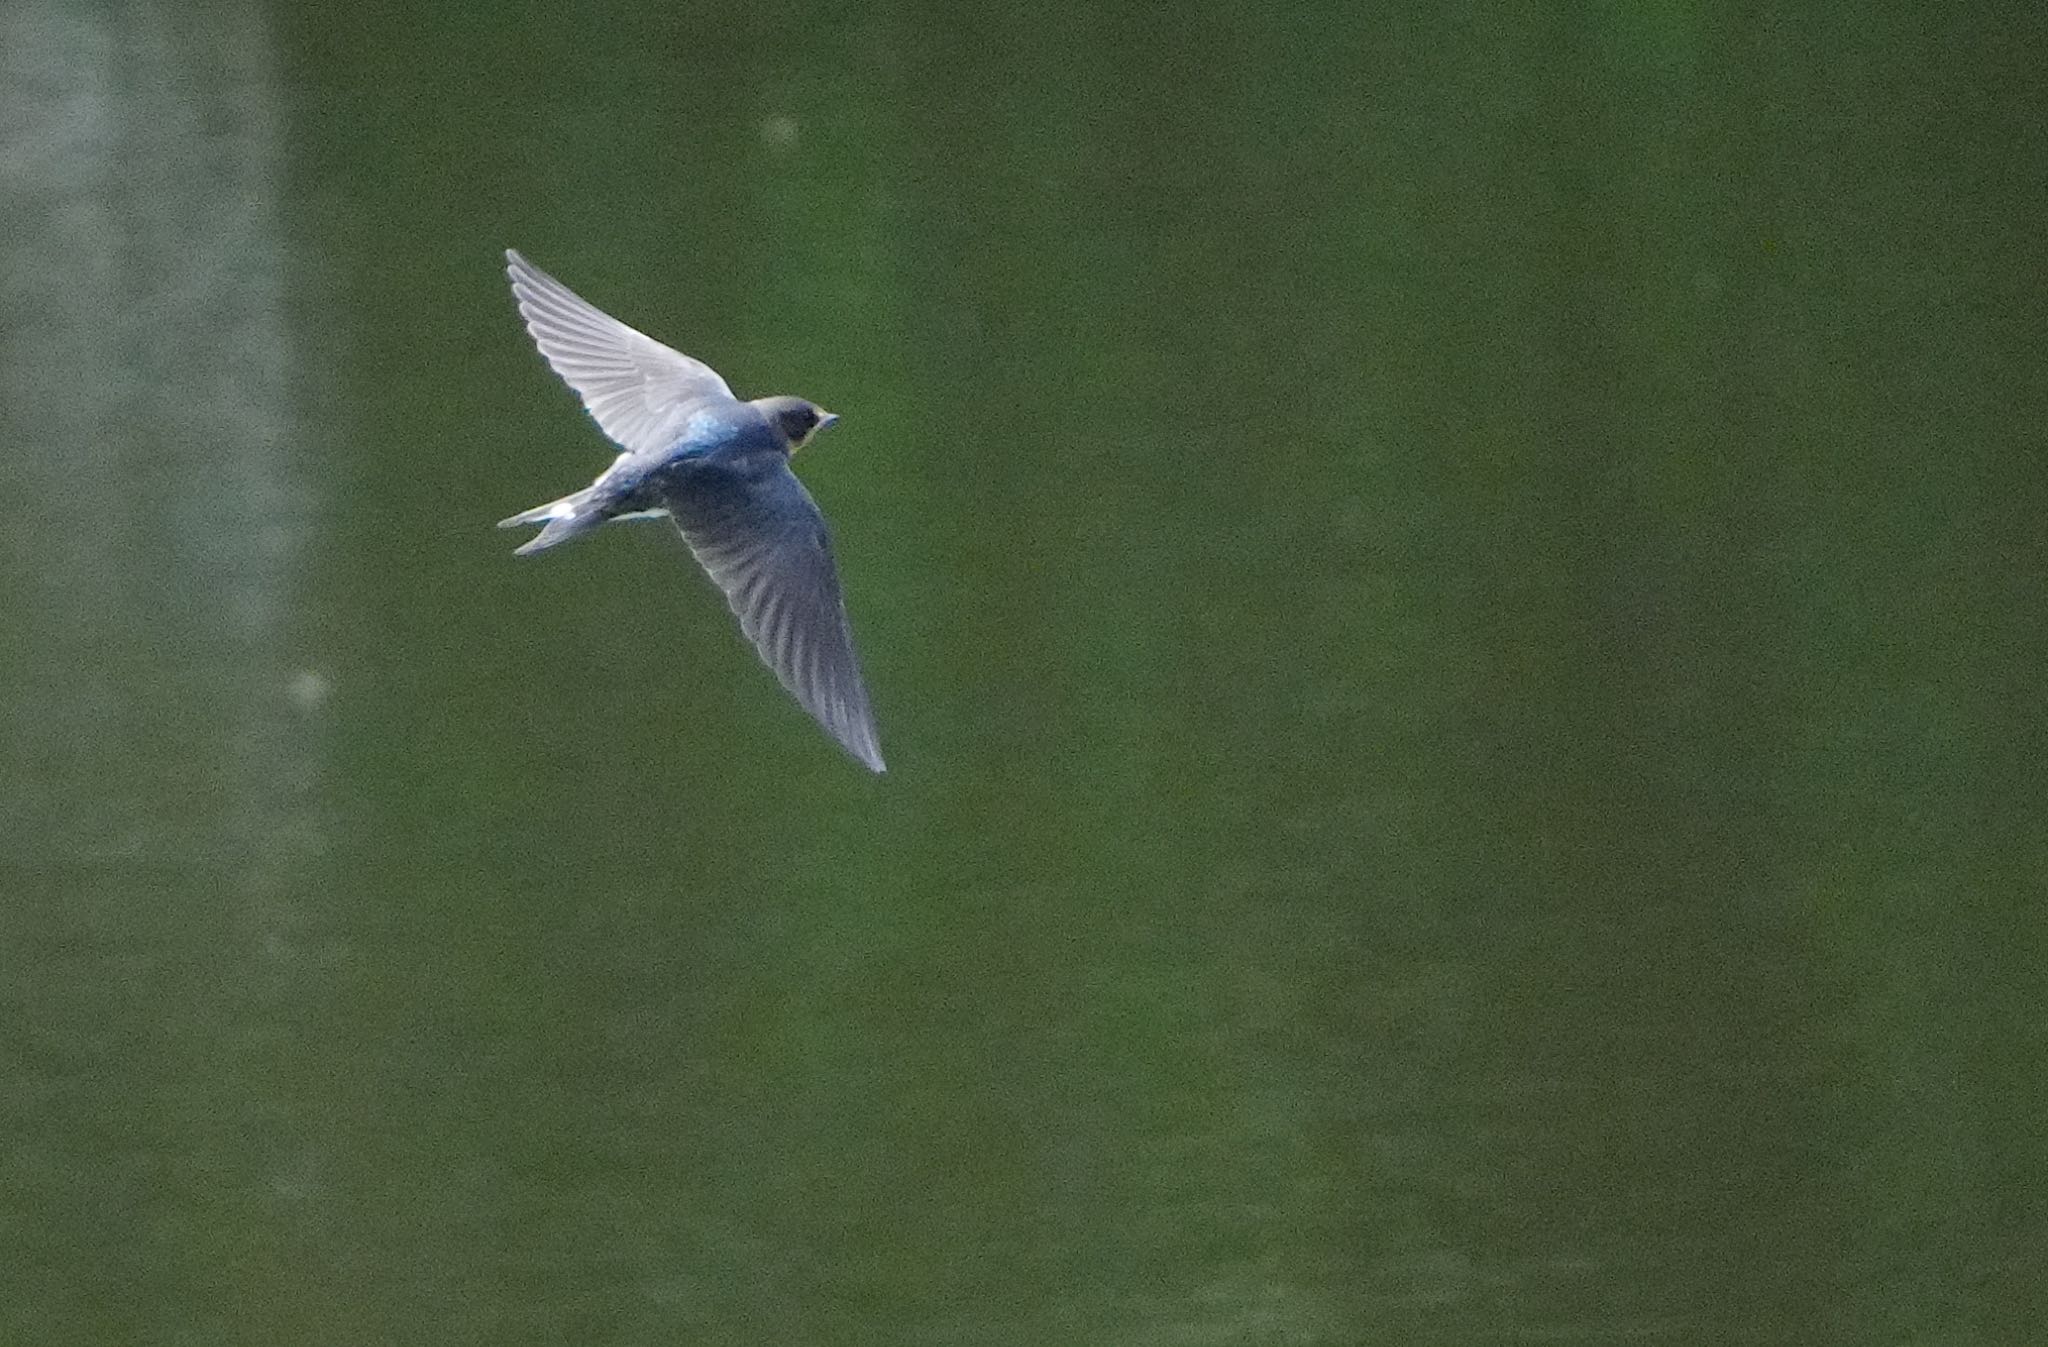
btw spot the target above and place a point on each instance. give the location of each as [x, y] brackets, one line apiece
[719, 469]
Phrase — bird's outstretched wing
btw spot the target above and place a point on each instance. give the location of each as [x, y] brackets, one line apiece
[637, 390]
[761, 538]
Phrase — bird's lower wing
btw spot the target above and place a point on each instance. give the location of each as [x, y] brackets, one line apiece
[762, 540]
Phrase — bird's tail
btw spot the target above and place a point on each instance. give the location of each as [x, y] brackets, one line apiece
[570, 517]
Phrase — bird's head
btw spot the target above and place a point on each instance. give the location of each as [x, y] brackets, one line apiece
[795, 418]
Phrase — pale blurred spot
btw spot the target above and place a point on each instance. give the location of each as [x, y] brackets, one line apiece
[309, 690]
[779, 131]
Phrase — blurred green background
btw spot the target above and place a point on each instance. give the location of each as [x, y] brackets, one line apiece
[1454, 596]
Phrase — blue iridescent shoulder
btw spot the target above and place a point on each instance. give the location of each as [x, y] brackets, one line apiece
[723, 426]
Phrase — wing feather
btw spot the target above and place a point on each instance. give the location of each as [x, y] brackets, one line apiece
[761, 538]
[637, 390]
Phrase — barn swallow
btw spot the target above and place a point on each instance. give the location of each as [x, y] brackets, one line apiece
[719, 469]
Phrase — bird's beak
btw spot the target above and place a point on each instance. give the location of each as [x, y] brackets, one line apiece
[827, 420]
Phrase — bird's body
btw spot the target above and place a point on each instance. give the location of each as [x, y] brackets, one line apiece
[731, 438]
[719, 469]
